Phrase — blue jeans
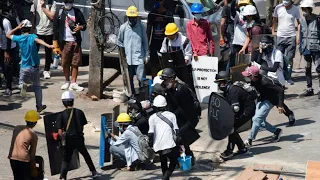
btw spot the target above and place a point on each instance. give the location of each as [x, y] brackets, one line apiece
[137, 70]
[118, 151]
[32, 74]
[259, 119]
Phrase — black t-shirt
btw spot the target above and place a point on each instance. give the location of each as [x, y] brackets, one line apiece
[226, 13]
[159, 21]
[76, 123]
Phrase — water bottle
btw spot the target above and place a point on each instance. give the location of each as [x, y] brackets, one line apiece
[56, 60]
[183, 154]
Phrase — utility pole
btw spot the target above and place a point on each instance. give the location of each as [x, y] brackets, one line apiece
[96, 57]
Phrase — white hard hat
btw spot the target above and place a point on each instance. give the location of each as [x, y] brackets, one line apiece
[249, 10]
[307, 3]
[26, 23]
[157, 80]
[67, 95]
[159, 101]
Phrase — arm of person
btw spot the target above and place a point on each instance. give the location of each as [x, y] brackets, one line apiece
[7, 28]
[56, 26]
[222, 29]
[49, 13]
[149, 27]
[59, 124]
[151, 131]
[246, 43]
[188, 52]
[190, 37]
[145, 43]
[41, 42]
[82, 24]
[10, 34]
[275, 20]
[274, 68]
[121, 35]
[259, 59]
[33, 149]
[298, 32]
[164, 46]
[33, 18]
[210, 39]
[122, 139]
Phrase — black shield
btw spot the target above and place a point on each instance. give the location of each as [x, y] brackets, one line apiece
[55, 150]
[172, 59]
[220, 117]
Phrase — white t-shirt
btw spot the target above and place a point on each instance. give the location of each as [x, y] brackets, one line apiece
[44, 26]
[68, 36]
[3, 39]
[239, 30]
[286, 18]
[277, 56]
[163, 138]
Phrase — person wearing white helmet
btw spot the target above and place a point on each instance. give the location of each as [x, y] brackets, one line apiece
[287, 38]
[30, 61]
[253, 25]
[162, 129]
[310, 42]
[70, 124]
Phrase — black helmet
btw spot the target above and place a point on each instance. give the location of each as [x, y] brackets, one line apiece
[135, 105]
[168, 73]
[158, 89]
[267, 39]
[222, 76]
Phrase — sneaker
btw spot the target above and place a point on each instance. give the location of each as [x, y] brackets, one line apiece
[43, 107]
[95, 175]
[76, 87]
[7, 93]
[242, 151]
[277, 135]
[292, 119]
[227, 154]
[307, 92]
[23, 90]
[65, 86]
[248, 143]
[290, 82]
[46, 74]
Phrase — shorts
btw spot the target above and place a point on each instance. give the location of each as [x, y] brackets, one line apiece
[71, 54]
[287, 45]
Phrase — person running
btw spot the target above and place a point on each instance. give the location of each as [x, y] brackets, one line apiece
[287, 39]
[30, 60]
[158, 19]
[310, 43]
[271, 94]
[243, 105]
[162, 129]
[70, 123]
[199, 33]
[67, 27]
[23, 148]
[43, 14]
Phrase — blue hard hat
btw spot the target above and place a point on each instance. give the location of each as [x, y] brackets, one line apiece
[196, 8]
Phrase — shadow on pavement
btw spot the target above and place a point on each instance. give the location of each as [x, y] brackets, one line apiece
[10, 106]
[299, 122]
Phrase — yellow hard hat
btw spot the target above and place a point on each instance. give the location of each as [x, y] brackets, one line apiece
[171, 29]
[123, 118]
[243, 2]
[160, 73]
[31, 116]
[132, 11]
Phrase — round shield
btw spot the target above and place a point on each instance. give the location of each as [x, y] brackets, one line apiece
[220, 117]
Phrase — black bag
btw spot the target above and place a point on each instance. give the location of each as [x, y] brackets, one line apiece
[64, 134]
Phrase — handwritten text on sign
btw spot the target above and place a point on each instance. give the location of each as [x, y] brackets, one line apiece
[204, 72]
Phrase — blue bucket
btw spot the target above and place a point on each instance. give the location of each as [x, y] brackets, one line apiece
[185, 165]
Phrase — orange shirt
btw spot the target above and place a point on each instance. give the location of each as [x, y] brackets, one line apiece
[23, 144]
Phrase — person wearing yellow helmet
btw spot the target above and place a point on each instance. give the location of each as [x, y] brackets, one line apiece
[174, 42]
[126, 146]
[70, 124]
[133, 42]
[24, 139]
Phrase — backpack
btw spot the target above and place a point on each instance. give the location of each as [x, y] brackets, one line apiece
[146, 153]
[253, 95]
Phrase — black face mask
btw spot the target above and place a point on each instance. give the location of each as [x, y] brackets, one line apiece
[132, 21]
[267, 50]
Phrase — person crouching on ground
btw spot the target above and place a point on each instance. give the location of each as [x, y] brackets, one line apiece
[30, 60]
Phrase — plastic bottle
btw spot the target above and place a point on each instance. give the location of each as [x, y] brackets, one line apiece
[183, 154]
[56, 60]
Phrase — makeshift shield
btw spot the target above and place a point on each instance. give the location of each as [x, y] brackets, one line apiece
[55, 150]
[125, 72]
[172, 59]
[220, 117]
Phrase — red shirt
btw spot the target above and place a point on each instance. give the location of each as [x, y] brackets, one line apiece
[200, 37]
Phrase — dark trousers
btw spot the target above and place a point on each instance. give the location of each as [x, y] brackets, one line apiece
[172, 156]
[287, 112]
[71, 145]
[48, 39]
[185, 75]
[234, 138]
[315, 57]
[8, 68]
[21, 170]
[234, 51]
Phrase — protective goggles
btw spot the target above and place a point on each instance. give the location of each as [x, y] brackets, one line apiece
[265, 45]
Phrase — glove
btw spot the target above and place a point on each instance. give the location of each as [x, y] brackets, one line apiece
[55, 136]
[56, 49]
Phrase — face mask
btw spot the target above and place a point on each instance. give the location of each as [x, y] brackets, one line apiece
[121, 130]
[132, 22]
[286, 3]
[305, 13]
[197, 16]
[223, 87]
[68, 6]
[169, 85]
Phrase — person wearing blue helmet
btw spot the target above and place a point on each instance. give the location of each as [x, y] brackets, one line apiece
[199, 33]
